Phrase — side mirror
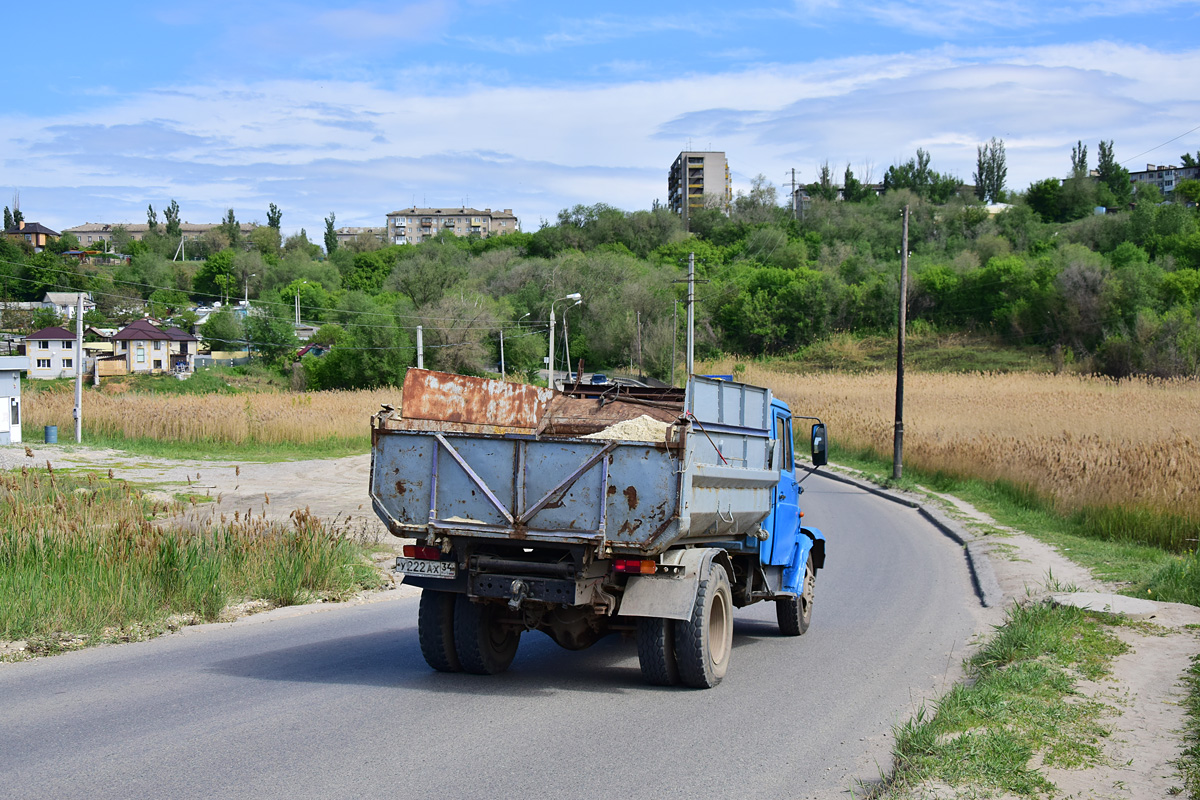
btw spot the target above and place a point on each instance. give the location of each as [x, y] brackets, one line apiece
[820, 445]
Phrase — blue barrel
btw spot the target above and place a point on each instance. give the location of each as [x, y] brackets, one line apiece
[51, 434]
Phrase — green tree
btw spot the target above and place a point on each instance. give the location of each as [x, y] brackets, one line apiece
[8, 219]
[222, 331]
[1114, 177]
[45, 318]
[853, 190]
[331, 241]
[1188, 190]
[270, 332]
[172, 217]
[1191, 161]
[991, 171]
[274, 217]
[372, 351]
[151, 218]
[164, 303]
[823, 187]
[917, 176]
[299, 243]
[265, 239]
[215, 279]
[1079, 159]
[231, 228]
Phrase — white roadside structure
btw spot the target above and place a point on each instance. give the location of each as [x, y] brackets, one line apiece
[10, 398]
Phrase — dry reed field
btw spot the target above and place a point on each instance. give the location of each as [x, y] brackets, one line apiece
[1085, 441]
[263, 417]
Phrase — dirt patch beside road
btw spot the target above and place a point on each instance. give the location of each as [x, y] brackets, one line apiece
[334, 490]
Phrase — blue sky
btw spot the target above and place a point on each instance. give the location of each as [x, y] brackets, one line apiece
[361, 108]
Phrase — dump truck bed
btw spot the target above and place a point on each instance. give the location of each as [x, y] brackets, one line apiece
[489, 459]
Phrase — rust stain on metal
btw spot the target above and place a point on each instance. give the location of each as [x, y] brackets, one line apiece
[401, 487]
[628, 527]
[631, 497]
[440, 396]
[612, 490]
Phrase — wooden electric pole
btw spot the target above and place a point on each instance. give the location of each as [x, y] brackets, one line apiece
[898, 439]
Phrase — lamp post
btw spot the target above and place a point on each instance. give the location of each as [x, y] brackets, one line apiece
[550, 360]
[246, 289]
[567, 340]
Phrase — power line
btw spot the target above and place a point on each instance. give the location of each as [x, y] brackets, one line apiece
[1164, 144]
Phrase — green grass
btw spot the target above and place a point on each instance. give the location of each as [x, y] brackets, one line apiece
[246, 451]
[82, 561]
[1188, 763]
[1020, 703]
[926, 350]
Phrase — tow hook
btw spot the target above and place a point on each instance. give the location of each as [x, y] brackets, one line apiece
[520, 590]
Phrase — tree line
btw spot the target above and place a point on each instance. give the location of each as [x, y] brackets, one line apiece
[1117, 293]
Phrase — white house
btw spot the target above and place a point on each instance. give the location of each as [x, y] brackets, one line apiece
[10, 398]
[66, 303]
[51, 353]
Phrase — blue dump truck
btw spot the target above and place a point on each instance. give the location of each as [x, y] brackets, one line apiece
[610, 509]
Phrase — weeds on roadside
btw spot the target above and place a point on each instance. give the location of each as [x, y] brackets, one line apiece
[92, 558]
[1020, 703]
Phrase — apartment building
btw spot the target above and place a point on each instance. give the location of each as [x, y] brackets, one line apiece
[1165, 178]
[413, 225]
[698, 179]
[91, 234]
[347, 235]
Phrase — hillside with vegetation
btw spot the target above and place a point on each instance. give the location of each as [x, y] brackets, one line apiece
[1116, 293]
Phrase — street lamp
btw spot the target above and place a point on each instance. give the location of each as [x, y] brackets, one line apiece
[550, 360]
[246, 289]
[567, 339]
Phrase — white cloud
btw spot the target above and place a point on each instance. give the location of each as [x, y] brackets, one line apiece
[363, 149]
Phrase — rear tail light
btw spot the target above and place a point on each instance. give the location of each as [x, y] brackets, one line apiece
[635, 566]
[424, 552]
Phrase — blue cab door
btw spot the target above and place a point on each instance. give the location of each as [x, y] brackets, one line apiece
[783, 523]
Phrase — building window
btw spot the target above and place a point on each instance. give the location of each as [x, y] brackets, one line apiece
[141, 355]
[16, 411]
[43, 363]
[68, 363]
[66, 345]
[44, 344]
[158, 345]
[158, 363]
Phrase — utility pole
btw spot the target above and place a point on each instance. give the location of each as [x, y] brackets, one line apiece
[898, 438]
[795, 212]
[420, 348]
[674, 339]
[297, 306]
[691, 316]
[79, 369]
[502, 373]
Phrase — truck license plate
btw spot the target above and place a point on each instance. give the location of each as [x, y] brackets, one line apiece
[430, 569]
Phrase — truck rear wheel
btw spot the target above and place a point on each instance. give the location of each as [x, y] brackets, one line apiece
[795, 613]
[435, 630]
[484, 645]
[704, 642]
[656, 651]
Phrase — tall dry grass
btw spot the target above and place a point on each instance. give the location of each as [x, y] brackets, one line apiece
[1086, 442]
[262, 417]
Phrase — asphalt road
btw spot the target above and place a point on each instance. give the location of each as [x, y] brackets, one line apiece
[340, 703]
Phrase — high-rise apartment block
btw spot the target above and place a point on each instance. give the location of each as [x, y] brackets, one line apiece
[698, 180]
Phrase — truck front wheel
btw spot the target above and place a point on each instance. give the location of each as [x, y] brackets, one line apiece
[704, 641]
[795, 613]
[435, 630]
[485, 646]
